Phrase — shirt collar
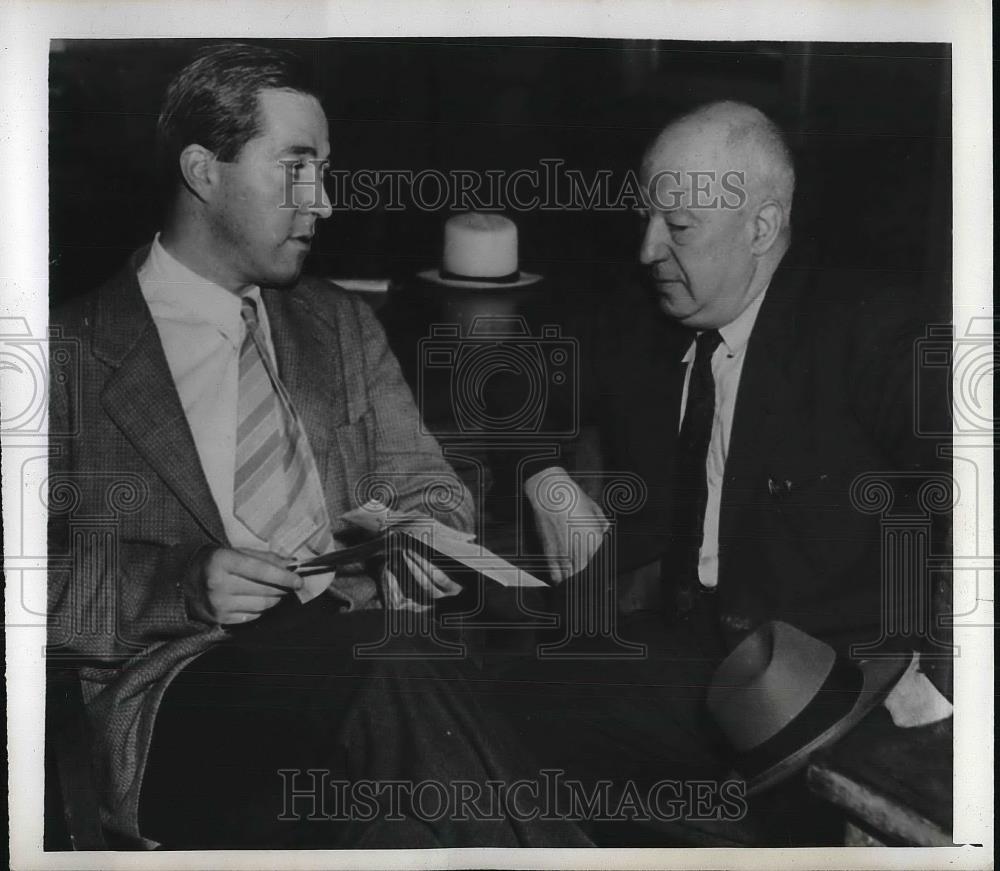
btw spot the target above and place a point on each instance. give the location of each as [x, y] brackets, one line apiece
[736, 334]
[177, 292]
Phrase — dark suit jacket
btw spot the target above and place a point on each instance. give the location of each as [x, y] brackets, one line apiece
[130, 506]
[826, 394]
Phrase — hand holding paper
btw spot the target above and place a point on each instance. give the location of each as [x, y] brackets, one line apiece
[391, 530]
[569, 523]
[227, 586]
[431, 581]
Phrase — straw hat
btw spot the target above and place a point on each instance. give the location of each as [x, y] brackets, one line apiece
[480, 252]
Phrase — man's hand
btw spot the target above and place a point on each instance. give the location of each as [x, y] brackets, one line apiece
[434, 582]
[431, 581]
[235, 586]
[556, 500]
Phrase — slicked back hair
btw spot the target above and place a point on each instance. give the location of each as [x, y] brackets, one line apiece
[212, 102]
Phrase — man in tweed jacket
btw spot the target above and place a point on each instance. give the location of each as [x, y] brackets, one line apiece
[156, 600]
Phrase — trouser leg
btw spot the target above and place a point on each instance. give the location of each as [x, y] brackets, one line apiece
[611, 717]
[242, 727]
[633, 722]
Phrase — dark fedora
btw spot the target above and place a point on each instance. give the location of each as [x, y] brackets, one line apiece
[781, 695]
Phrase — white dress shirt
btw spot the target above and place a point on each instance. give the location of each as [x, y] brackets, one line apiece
[201, 329]
[727, 366]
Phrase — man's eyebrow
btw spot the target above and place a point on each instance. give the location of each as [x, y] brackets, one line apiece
[682, 212]
[670, 214]
[300, 150]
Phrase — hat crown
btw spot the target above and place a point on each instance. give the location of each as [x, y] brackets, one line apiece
[478, 245]
[767, 680]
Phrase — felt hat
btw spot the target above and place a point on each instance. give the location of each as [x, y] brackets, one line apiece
[781, 695]
[480, 253]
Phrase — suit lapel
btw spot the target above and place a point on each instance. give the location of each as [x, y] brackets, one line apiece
[660, 351]
[140, 396]
[675, 382]
[307, 353]
[764, 390]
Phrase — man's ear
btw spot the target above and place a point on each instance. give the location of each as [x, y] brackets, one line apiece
[199, 170]
[767, 226]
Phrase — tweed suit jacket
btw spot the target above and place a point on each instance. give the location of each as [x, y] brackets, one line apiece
[130, 506]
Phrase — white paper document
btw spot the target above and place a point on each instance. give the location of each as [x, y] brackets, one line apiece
[392, 529]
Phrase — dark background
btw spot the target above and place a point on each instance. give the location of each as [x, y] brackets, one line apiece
[870, 125]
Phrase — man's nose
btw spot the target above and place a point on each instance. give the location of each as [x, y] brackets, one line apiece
[319, 202]
[654, 245]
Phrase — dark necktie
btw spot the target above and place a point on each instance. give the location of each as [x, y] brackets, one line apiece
[690, 486]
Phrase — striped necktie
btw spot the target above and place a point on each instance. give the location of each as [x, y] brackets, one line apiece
[277, 492]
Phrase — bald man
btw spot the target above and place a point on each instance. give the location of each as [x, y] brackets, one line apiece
[801, 380]
[747, 394]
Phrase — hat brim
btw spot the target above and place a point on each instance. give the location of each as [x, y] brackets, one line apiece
[434, 276]
[879, 676]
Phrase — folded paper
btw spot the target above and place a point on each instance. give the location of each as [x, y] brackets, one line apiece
[915, 701]
[395, 529]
